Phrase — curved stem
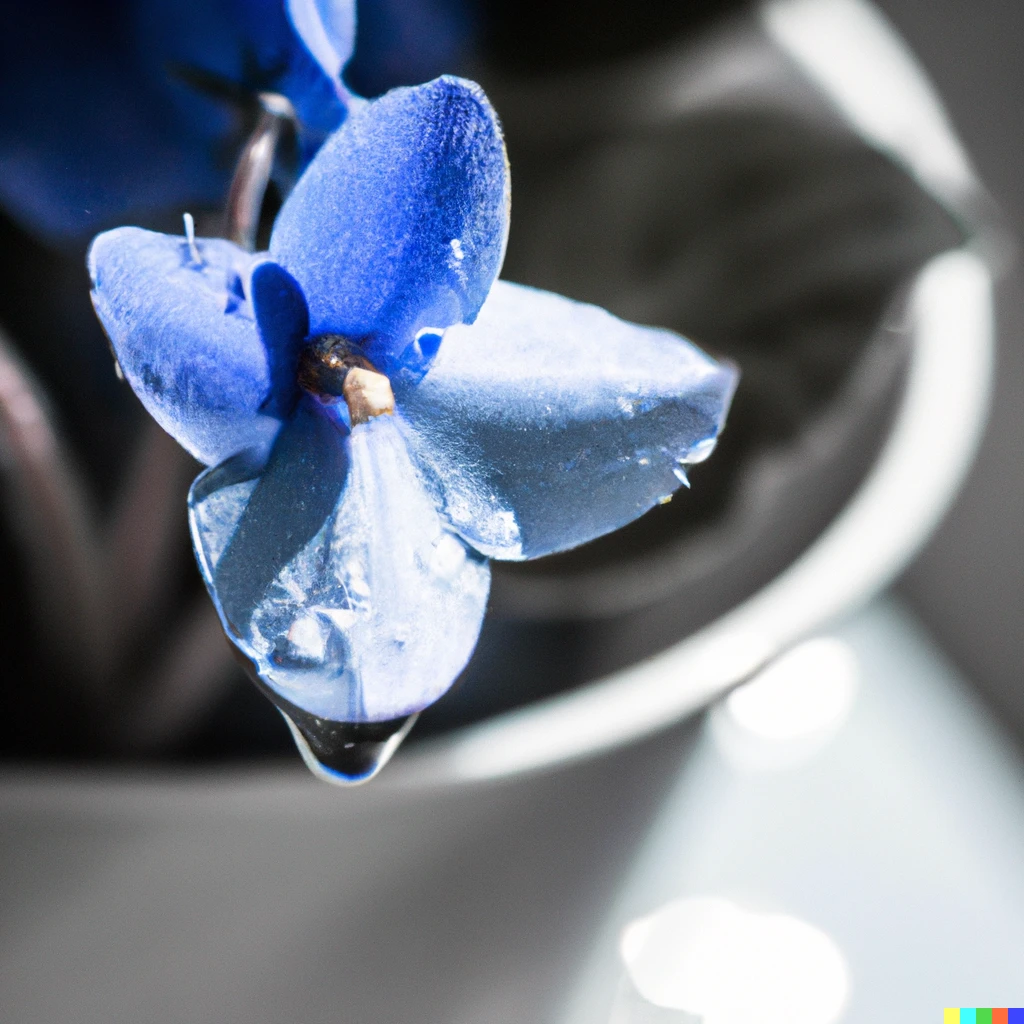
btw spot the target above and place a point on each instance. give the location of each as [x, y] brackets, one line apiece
[145, 536]
[97, 596]
[50, 512]
[252, 172]
[195, 667]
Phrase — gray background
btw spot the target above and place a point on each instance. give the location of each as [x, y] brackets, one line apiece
[969, 583]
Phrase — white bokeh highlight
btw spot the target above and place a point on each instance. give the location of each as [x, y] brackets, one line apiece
[791, 709]
[710, 958]
[809, 690]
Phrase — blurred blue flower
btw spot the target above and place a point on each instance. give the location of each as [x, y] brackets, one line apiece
[119, 108]
[344, 546]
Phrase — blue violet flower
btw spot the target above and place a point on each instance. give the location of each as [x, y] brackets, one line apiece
[383, 416]
[121, 108]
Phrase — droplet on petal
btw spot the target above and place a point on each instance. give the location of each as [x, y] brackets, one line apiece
[334, 574]
[346, 753]
[548, 422]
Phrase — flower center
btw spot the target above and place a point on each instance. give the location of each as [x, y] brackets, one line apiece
[330, 369]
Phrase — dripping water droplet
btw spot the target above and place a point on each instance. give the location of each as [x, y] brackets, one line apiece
[347, 753]
[342, 753]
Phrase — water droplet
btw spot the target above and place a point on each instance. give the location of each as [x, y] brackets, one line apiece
[307, 638]
[342, 753]
[702, 450]
[427, 342]
[448, 557]
[346, 753]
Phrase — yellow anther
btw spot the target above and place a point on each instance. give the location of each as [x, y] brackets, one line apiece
[367, 394]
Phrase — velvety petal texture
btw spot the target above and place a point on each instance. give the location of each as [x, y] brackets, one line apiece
[334, 574]
[400, 222]
[215, 369]
[549, 422]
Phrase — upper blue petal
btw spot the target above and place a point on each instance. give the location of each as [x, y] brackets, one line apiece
[333, 573]
[215, 372]
[549, 422]
[400, 221]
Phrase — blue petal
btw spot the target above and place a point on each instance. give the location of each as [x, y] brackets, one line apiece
[283, 323]
[112, 111]
[328, 28]
[88, 133]
[400, 221]
[214, 374]
[333, 573]
[549, 422]
[249, 46]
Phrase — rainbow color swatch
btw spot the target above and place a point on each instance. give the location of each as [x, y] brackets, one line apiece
[982, 1015]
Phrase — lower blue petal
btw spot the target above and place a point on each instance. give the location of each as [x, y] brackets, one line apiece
[334, 574]
[549, 422]
[215, 372]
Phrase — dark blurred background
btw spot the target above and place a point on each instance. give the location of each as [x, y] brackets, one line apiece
[968, 585]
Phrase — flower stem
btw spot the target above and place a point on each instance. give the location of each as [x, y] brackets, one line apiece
[49, 511]
[145, 538]
[191, 672]
[253, 170]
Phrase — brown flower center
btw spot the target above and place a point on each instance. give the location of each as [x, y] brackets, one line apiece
[330, 369]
